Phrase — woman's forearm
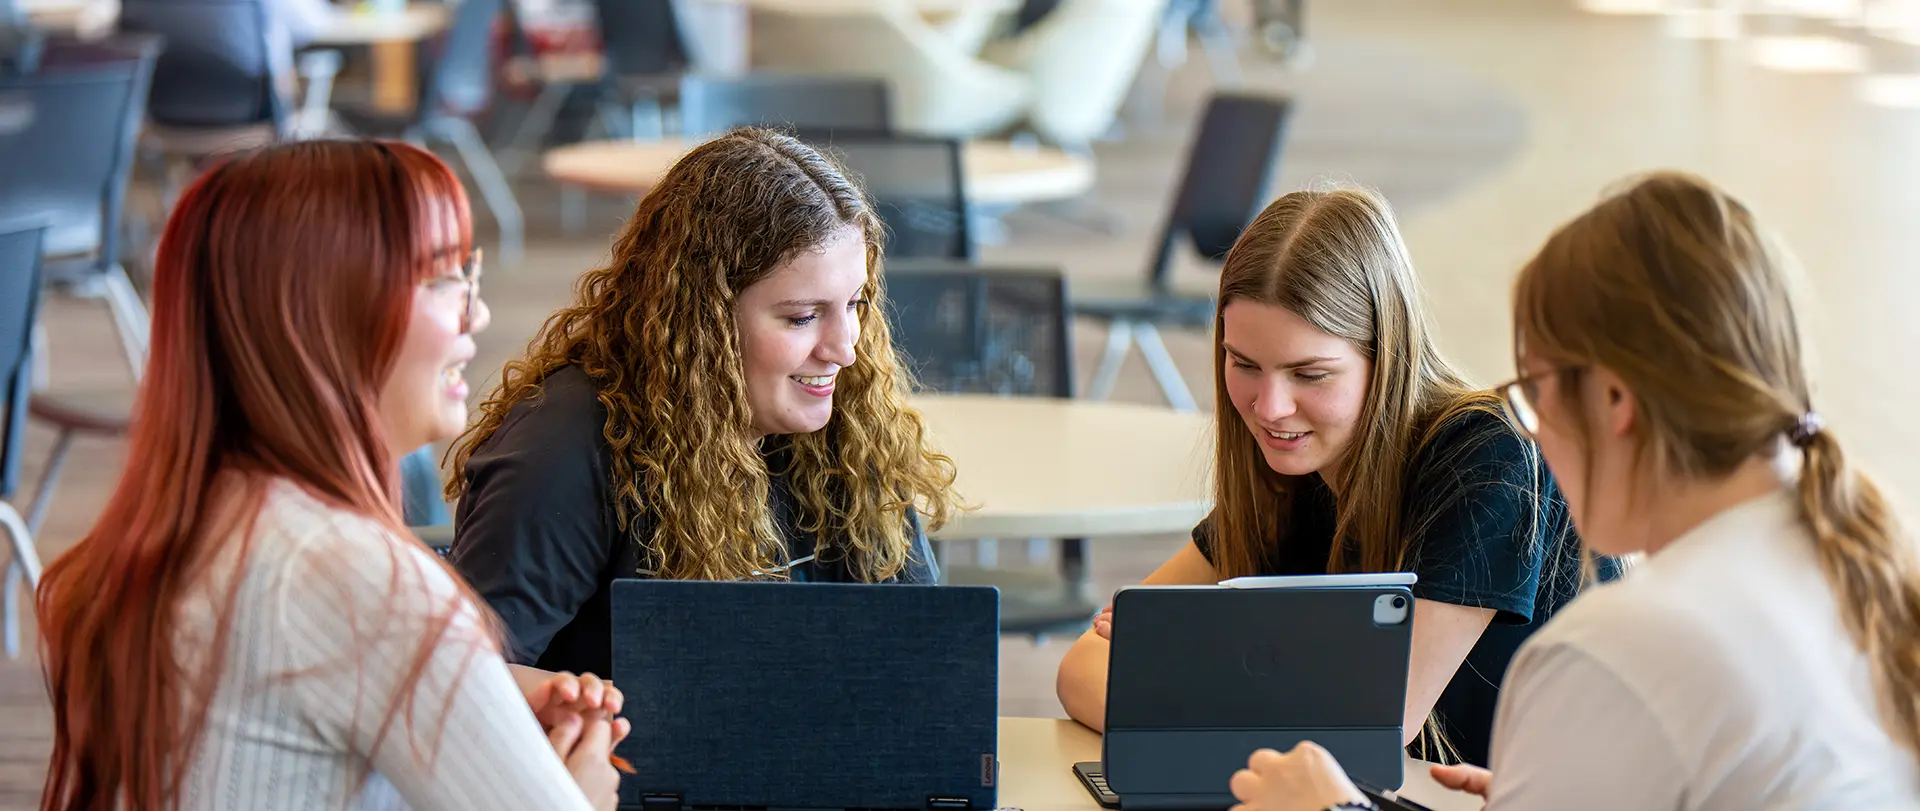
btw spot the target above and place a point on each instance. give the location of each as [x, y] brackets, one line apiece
[1082, 681]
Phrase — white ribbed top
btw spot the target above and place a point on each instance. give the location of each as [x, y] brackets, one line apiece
[311, 669]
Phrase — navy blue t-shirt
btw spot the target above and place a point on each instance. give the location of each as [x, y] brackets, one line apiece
[1497, 536]
[537, 537]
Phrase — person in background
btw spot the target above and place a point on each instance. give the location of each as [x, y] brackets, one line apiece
[1346, 443]
[721, 402]
[1766, 654]
[275, 638]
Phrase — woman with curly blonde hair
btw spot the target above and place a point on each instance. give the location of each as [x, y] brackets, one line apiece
[722, 401]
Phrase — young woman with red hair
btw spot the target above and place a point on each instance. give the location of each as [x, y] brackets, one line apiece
[249, 625]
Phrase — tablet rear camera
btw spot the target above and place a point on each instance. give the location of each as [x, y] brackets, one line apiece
[1390, 610]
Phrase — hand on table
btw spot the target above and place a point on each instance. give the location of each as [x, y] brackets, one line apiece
[1464, 777]
[585, 743]
[556, 696]
[1304, 779]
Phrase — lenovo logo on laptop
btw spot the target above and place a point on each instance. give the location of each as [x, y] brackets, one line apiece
[986, 770]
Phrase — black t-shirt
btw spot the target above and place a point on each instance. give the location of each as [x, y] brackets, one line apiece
[538, 539]
[1485, 546]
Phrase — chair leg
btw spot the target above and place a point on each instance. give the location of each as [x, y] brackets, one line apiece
[129, 317]
[1171, 44]
[1217, 40]
[493, 185]
[42, 357]
[25, 564]
[1165, 371]
[1073, 566]
[534, 128]
[1119, 340]
[43, 494]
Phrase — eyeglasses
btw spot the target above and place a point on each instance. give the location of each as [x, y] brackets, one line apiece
[1522, 396]
[470, 273]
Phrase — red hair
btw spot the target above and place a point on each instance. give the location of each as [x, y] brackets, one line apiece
[282, 292]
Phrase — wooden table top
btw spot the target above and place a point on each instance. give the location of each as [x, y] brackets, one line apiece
[1037, 757]
[1050, 468]
[997, 172]
[416, 22]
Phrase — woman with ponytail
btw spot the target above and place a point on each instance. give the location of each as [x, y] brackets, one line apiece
[1766, 654]
[249, 625]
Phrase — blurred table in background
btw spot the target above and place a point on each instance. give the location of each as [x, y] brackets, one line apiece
[998, 173]
[391, 38]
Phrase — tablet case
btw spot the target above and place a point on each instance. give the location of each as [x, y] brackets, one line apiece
[1200, 677]
[807, 695]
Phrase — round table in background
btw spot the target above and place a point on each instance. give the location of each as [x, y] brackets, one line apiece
[998, 173]
[390, 37]
[1051, 468]
[415, 22]
[930, 8]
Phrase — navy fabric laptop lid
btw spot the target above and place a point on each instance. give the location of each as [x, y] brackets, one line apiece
[807, 695]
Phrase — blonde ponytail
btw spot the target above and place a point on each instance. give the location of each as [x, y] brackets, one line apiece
[1875, 573]
[1716, 362]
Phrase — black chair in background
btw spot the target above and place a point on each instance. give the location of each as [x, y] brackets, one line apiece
[217, 86]
[20, 286]
[969, 329]
[1032, 12]
[457, 86]
[67, 136]
[643, 60]
[972, 329]
[917, 185]
[1230, 166]
[813, 104]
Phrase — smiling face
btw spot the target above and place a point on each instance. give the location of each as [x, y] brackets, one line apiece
[424, 398]
[798, 327]
[1298, 390]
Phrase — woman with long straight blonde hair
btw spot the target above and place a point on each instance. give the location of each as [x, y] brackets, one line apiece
[1766, 655]
[1346, 443]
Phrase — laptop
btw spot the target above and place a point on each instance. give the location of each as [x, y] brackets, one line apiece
[752, 695]
[1201, 676]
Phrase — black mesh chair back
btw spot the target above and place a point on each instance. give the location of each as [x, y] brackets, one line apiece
[20, 47]
[1032, 12]
[640, 38]
[969, 329]
[459, 80]
[216, 70]
[917, 186]
[1230, 166]
[815, 104]
[19, 305]
[67, 135]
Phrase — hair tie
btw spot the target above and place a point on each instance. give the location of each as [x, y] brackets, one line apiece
[1805, 429]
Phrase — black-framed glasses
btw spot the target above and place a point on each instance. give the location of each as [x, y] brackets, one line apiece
[1522, 396]
[470, 273]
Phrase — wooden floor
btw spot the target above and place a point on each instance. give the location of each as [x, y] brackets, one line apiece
[1487, 122]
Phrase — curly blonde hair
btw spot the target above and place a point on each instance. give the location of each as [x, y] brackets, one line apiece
[654, 330]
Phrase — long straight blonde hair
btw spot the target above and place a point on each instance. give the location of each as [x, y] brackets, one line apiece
[1335, 259]
[1715, 360]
